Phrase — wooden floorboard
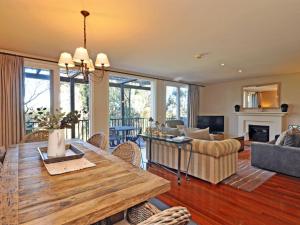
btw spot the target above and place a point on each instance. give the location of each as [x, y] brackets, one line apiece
[277, 201]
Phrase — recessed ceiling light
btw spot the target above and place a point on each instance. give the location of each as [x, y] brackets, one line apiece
[240, 71]
[222, 64]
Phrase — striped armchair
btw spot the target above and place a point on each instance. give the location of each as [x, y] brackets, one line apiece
[212, 161]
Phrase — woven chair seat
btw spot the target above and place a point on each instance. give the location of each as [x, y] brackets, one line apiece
[36, 136]
[172, 216]
[141, 212]
[98, 140]
[129, 152]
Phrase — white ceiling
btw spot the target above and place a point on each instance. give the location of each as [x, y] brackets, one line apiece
[161, 37]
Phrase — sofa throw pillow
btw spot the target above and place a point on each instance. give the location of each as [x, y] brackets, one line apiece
[281, 138]
[292, 139]
[294, 131]
[201, 134]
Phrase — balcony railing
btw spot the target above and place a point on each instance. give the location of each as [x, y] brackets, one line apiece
[138, 122]
[82, 128]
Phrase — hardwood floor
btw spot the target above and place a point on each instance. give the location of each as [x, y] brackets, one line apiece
[277, 201]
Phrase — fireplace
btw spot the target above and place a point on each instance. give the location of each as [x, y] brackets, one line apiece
[259, 133]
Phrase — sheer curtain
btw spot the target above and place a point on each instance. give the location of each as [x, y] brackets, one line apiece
[11, 100]
[193, 102]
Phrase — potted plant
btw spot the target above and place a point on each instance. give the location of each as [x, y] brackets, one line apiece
[55, 123]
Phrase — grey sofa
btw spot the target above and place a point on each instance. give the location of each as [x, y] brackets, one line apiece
[281, 159]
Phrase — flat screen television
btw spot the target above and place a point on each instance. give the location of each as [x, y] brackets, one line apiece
[215, 123]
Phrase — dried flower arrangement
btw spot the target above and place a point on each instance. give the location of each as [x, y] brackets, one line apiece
[58, 120]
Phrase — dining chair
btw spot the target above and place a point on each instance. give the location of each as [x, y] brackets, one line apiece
[99, 140]
[36, 136]
[147, 214]
[172, 216]
[129, 152]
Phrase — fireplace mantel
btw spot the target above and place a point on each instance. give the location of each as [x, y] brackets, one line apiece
[280, 114]
[275, 120]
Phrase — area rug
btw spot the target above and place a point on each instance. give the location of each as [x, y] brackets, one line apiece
[248, 178]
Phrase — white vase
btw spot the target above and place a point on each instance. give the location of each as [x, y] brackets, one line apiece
[56, 143]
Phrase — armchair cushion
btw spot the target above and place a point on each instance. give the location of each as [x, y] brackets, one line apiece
[216, 148]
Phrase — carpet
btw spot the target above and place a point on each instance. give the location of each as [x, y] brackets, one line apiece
[248, 178]
[162, 206]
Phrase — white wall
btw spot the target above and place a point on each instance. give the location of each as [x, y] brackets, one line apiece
[219, 99]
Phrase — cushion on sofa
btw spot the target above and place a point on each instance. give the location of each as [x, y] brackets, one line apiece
[216, 148]
[281, 139]
[292, 139]
[195, 133]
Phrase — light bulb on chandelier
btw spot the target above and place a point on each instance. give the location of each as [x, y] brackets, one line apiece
[81, 58]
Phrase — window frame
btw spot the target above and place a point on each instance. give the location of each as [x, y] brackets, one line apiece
[177, 86]
[72, 82]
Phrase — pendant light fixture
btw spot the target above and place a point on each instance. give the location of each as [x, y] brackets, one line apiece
[81, 57]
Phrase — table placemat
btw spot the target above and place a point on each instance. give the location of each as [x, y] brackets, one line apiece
[68, 166]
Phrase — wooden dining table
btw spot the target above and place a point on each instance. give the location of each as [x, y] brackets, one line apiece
[29, 195]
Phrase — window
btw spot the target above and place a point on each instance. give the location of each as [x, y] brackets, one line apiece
[172, 103]
[183, 95]
[177, 102]
[36, 93]
[74, 95]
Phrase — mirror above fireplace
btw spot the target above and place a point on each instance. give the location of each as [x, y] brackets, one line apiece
[266, 96]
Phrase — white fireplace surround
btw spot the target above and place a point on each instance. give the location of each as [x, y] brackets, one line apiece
[275, 121]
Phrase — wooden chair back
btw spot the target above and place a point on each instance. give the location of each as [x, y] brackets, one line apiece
[36, 136]
[99, 140]
[129, 152]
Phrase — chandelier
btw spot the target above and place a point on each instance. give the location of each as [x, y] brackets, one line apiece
[81, 58]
